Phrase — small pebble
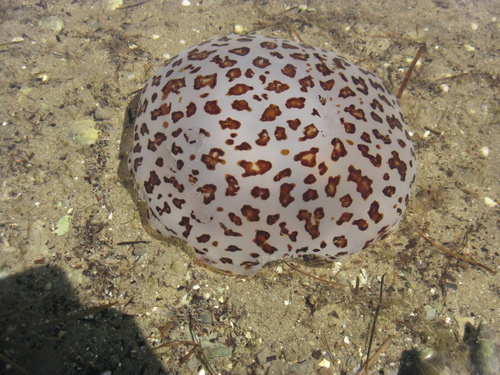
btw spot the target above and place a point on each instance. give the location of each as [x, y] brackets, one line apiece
[63, 225]
[83, 132]
[276, 368]
[324, 363]
[304, 367]
[54, 23]
[238, 29]
[263, 355]
[103, 113]
[351, 362]
[490, 202]
[430, 312]
[139, 250]
[444, 87]
[113, 4]
[42, 77]
[485, 151]
[206, 318]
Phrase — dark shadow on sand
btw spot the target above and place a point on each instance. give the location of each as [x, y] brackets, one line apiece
[44, 329]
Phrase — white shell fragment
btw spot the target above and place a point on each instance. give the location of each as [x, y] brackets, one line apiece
[254, 149]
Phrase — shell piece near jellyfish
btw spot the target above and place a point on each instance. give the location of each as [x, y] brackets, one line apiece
[254, 149]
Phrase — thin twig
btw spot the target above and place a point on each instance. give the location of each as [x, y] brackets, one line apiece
[410, 70]
[384, 346]
[294, 32]
[455, 255]
[199, 353]
[314, 277]
[177, 343]
[11, 43]
[372, 333]
[133, 5]
[435, 132]
[126, 243]
[445, 79]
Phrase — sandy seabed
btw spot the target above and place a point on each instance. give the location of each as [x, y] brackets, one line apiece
[75, 301]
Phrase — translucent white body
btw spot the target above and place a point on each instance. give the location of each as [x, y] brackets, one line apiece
[254, 149]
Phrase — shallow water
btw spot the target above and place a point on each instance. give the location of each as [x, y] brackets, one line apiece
[279, 321]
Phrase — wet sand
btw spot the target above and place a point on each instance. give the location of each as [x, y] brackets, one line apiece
[69, 73]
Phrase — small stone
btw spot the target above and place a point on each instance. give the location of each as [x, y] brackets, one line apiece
[485, 151]
[215, 350]
[139, 250]
[430, 312]
[103, 113]
[290, 355]
[316, 354]
[42, 77]
[276, 368]
[444, 87]
[351, 362]
[206, 318]
[83, 132]
[306, 367]
[325, 371]
[113, 4]
[324, 363]
[114, 361]
[63, 225]
[263, 355]
[54, 23]
[490, 202]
